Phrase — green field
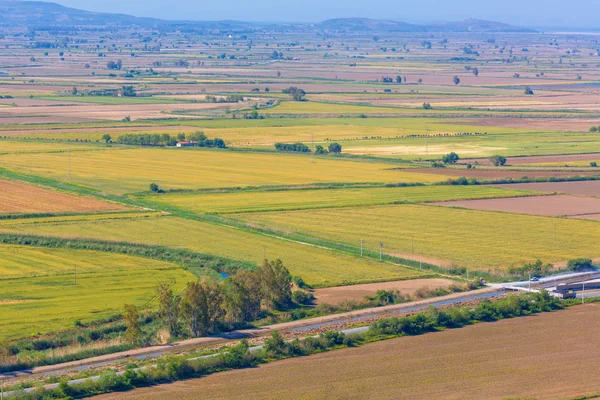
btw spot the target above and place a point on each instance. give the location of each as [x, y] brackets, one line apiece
[315, 265]
[234, 202]
[483, 240]
[39, 294]
[132, 170]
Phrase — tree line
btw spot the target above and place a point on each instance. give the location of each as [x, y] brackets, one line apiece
[298, 147]
[209, 306]
[199, 139]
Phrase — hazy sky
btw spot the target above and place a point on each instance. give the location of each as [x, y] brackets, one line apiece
[557, 13]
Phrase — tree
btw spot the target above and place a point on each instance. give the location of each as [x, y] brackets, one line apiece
[320, 150]
[593, 164]
[154, 188]
[475, 71]
[296, 93]
[335, 148]
[106, 137]
[276, 285]
[168, 307]
[398, 79]
[528, 91]
[456, 80]
[133, 333]
[593, 129]
[498, 160]
[128, 91]
[427, 106]
[201, 307]
[74, 91]
[450, 158]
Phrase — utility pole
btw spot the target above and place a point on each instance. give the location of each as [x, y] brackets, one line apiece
[583, 293]
[69, 162]
[361, 247]
[380, 251]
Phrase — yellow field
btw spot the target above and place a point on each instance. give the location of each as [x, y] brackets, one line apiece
[478, 238]
[315, 265]
[309, 107]
[39, 294]
[579, 163]
[304, 199]
[132, 170]
[22, 146]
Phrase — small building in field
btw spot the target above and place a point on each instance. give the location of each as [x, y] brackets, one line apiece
[186, 143]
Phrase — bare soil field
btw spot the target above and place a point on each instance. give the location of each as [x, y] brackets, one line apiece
[582, 188]
[336, 295]
[551, 206]
[21, 198]
[525, 357]
[500, 173]
[536, 159]
[117, 111]
[551, 124]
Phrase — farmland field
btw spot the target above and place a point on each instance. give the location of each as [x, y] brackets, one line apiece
[480, 239]
[472, 362]
[20, 198]
[39, 294]
[315, 265]
[358, 152]
[556, 206]
[122, 171]
[324, 198]
[583, 188]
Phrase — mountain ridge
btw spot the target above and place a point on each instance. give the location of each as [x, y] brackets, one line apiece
[40, 13]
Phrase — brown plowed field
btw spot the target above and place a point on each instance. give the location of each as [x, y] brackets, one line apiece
[547, 356]
[553, 206]
[583, 188]
[338, 294]
[20, 198]
[500, 173]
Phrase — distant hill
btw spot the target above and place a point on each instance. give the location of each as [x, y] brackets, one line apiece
[32, 13]
[40, 13]
[350, 25]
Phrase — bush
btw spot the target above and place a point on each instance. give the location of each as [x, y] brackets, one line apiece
[593, 164]
[498, 160]
[593, 129]
[450, 158]
[580, 264]
[294, 147]
[302, 297]
[320, 149]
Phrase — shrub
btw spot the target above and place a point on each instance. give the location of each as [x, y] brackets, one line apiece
[302, 297]
[579, 264]
[294, 147]
[450, 158]
[498, 160]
